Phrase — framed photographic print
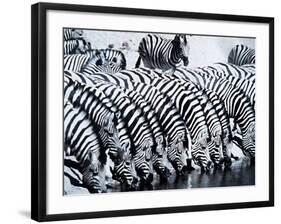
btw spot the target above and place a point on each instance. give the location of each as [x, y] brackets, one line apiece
[138, 111]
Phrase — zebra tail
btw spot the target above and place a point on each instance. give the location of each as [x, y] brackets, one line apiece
[138, 62]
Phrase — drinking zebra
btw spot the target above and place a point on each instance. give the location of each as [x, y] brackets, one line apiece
[134, 122]
[82, 142]
[172, 91]
[173, 126]
[237, 104]
[98, 114]
[165, 54]
[242, 55]
[214, 111]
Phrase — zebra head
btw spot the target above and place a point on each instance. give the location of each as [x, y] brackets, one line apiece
[147, 145]
[160, 146]
[182, 47]
[82, 46]
[249, 140]
[215, 150]
[77, 33]
[203, 138]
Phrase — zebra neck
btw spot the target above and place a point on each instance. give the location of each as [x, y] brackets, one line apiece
[174, 55]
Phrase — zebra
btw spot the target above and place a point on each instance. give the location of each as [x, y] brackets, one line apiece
[165, 54]
[241, 77]
[139, 127]
[141, 136]
[83, 142]
[242, 55]
[108, 61]
[75, 62]
[222, 130]
[98, 113]
[236, 76]
[247, 72]
[71, 33]
[151, 78]
[74, 46]
[236, 103]
[193, 115]
[155, 127]
[212, 120]
[174, 128]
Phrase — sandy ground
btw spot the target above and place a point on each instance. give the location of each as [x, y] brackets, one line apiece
[204, 50]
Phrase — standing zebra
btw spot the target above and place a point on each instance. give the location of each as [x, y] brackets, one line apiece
[71, 33]
[74, 46]
[242, 55]
[159, 53]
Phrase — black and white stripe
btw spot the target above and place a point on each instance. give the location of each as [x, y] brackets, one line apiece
[168, 116]
[75, 46]
[237, 104]
[72, 33]
[159, 53]
[98, 113]
[242, 55]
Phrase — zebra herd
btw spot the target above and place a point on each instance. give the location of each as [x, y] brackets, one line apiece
[143, 118]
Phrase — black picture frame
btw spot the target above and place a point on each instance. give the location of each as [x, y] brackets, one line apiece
[39, 115]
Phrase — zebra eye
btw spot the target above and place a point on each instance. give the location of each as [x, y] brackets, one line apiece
[114, 59]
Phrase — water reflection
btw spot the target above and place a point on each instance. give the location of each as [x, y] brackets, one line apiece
[240, 174]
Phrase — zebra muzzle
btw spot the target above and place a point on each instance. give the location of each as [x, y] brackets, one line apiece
[185, 61]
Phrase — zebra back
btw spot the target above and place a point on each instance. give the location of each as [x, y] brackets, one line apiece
[242, 55]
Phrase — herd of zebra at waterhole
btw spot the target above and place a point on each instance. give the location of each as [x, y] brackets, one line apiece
[159, 119]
